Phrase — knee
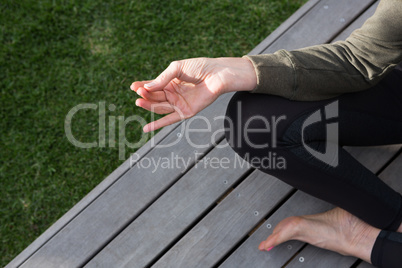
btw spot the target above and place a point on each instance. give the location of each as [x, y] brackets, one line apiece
[254, 124]
[260, 127]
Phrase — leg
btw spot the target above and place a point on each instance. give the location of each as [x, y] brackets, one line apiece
[368, 118]
[349, 185]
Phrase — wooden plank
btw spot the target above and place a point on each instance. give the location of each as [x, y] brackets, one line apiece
[107, 215]
[247, 254]
[88, 199]
[357, 23]
[227, 224]
[392, 174]
[365, 265]
[282, 29]
[375, 157]
[175, 211]
[325, 20]
[129, 240]
[310, 257]
[316, 257]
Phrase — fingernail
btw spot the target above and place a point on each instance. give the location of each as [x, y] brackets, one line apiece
[149, 85]
[268, 249]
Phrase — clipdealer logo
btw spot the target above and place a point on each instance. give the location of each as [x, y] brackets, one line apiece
[331, 155]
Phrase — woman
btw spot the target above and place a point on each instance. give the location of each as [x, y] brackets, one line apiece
[359, 79]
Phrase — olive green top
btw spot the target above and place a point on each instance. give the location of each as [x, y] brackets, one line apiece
[325, 71]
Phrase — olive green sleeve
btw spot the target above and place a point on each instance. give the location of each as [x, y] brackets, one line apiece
[328, 70]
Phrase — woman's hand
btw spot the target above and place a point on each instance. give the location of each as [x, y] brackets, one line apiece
[188, 86]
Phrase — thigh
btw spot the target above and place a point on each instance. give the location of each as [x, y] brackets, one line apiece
[373, 116]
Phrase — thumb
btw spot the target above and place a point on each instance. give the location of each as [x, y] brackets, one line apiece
[171, 72]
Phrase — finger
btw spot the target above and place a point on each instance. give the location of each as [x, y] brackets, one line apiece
[137, 84]
[157, 96]
[171, 72]
[155, 107]
[164, 121]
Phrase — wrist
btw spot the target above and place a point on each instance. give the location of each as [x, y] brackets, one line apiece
[240, 75]
[251, 74]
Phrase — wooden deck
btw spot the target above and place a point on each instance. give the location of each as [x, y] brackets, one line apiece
[196, 215]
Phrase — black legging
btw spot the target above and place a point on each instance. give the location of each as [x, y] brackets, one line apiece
[293, 142]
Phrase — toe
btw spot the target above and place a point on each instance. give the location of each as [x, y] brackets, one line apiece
[286, 230]
[270, 242]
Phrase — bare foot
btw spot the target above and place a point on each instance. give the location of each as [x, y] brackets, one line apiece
[336, 230]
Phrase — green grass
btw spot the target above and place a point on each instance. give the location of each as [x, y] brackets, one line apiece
[55, 55]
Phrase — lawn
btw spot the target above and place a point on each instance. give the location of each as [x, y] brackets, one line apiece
[55, 55]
